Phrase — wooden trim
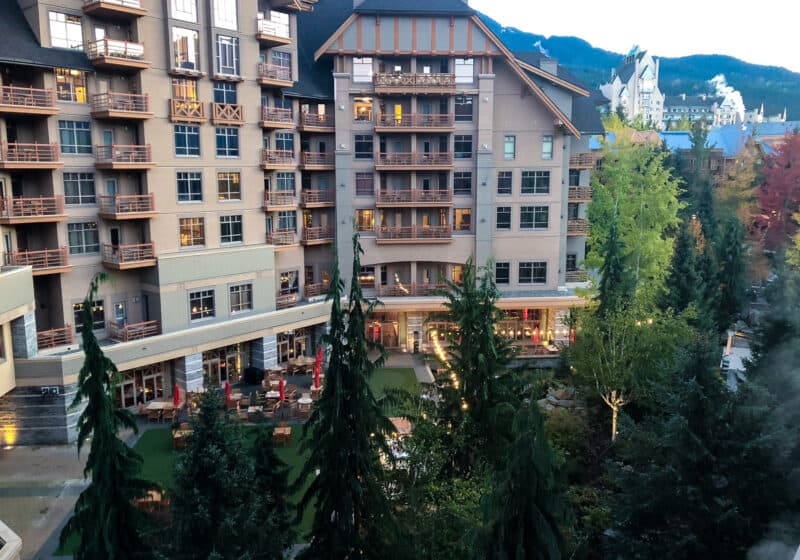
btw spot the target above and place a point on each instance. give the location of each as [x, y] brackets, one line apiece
[552, 78]
[469, 35]
[433, 35]
[452, 34]
[396, 33]
[487, 45]
[413, 34]
[359, 34]
[336, 35]
[378, 33]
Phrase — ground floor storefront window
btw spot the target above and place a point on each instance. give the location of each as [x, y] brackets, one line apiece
[141, 385]
[225, 364]
[293, 344]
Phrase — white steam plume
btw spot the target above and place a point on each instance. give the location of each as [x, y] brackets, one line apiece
[542, 50]
[722, 89]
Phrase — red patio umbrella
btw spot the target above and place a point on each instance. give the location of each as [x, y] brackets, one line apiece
[572, 336]
[176, 395]
[536, 335]
[282, 389]
[318, 367]
[227, 390]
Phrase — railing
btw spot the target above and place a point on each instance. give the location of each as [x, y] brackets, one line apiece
[415, 158]
[580, 193]
[281, 238]
[276, 115]
[277, 157]
[16, 96]
[123, 3]
[14, 152]
[31, 206]
[226, 113]
[319, 233]
[188, 109]
[276, 29]
[578, 226]
[284, 301]
[408, 80]
[273, 72]
[576, 276]
[118, 153]
[280, 198]
[113, 101]
[321, 196]
[127, 203]
[39, 260]
[413, 195]
[318, 158]
[415, 120]
[584, 160]
[405, 290]
[55, 337]
[414, 232]
[134, 331]
[320, 121]
[319, 289]
[116, 49]
[126, 254]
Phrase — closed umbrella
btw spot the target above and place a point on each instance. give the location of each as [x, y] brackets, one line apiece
[318, 367]
[572, 336]
[536, 335]
[227, 390]
[282, 390]
[176, 395]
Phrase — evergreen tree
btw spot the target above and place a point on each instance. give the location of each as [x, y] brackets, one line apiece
[698, 180]
[683, 283]
[270, 491]
[615, 282]
[106, 522]
[732, 271]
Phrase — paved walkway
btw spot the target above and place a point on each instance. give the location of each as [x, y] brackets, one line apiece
[416, 361]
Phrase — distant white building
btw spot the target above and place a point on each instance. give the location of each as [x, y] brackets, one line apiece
[756, 116]
[634, 87]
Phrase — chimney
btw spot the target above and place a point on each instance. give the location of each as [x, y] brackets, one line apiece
[549, 65]
[683, 97]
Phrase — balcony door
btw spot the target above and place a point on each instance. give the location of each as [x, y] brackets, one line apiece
[115, 236]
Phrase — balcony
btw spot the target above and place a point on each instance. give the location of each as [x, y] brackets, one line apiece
[315, 290]
[276, 117]
[576, 276]
[584, 160]
[51, 338]
[27, 101]
[580, 194]
[14, 155]
[408, 290]
[114, 9]
[282, 238]
[187, 111]
[276, 76]
[401, 161]
[114, 54]
[314, 122]
[318, 235]
[413, 197]
[318, 198]
[415, 123]
[318, 161]
[414, 234]
[578, 227]
[118, 156]
[227, 114]
[134, 331]
[46, 261]
[279, 200]
[124, 257]
[278, 159]
[414, 84]
[113, 105]
[271, 33]
[32, 210]
[127, 206]
[285, 301]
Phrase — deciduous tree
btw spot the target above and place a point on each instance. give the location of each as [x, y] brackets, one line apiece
[779, 197]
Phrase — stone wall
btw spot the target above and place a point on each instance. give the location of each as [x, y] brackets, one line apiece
[28, 417]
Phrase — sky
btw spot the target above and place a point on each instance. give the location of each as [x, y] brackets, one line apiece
[662, 28]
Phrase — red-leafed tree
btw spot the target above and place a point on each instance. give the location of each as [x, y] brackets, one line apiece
[779, 197]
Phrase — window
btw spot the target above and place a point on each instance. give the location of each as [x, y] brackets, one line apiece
[510, 147]
[284, 141]
[65, 31]
[229, 185]
[365, 220]
[186, 48]
[285, 181]
[504, 182]
[83, 238]
[462, 183]
[573, 211]
[534, 217]
[185, 10]
[533, 272]
[287, 220]
[227, 55]
[75, 137]
[363, 146]
[464, 71]
[201, 304]
[547, 147]
[463, 146]
[362, 108]
[535, 182]
[184, 88]
[192, 231]
[241, 297]
[98, 315]
[574, 177]
[290, 283]
[463, 109]
[227, 141]
[462, 219]
[70, 85]
[572, 262]
[282, 59]
[79, 188]
[190, 187]
[366, 276]
[502, 273]
[230, 229]
[225, 92]
[362, 69]
[503, 217]
[225, 14]
[187, 140]
[365, 184]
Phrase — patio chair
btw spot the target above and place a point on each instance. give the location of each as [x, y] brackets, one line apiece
[154, 416]
[244, 402]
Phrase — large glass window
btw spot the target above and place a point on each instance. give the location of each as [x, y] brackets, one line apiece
[192, 232]
[79, 188]
[241, 298]
[574, 177]
[201, 305]
[227, 141]
[462, 219]
[65, 31]
[184, 88]
[225, 14]
[284, 141]
[186, 48]
[187, 140]
[363, 146]
[225, 92]
[503, 217]
[230, 229]
[98, 315]
[290, 282]
[285, 181]
[287, 220]
[229, 185]
[510, 147]
[534, 272]
[365, 220]
[362, 108]
[362, 69]
[462, 183]
[71, 85]
[535, 182]
[465, 73]
[190, 186]
[547, 147]
[185, 10]
[75, 137]
[463, 108]
[83, 238]
[534, 217]
[463, 146]
[502, 273]
[227, 55]
[282, 58]
[504, 182]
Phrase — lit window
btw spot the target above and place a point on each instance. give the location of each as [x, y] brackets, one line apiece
[65, 31]
[230, 229]
[504, 182]
[535, 182]
[225, 14]
[83, 238]
[70, 85]
[183, 88]
[510, 147]
[192, 232]
[366, 276]
[98, 315]
[229, 185]
[241, 298]
[201, 305]
[547, 147]
[534, 217]
[186, 48]
[362, 108]
[227, 55]
[462, 219]
[79, 188]
[227, 141]
[464, 71]
[365, 220]
[533, 272]
[290, 282]
[190, 186]
[362, 69]
[75, 137]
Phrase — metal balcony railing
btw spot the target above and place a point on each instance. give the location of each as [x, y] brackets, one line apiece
[31, 207]
[135, 331]
[123, 102]
[26, 97]
[127, 203]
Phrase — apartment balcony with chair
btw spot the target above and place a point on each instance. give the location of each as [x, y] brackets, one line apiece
[313, 122]
[127, 206]
[279, 200]
[119, 156]
[27, 101]
[116, 54]
[32, 210]
[123, 257]
[278, 159]
[578, 227]
[134, 331]
[391, 198]
[272, 33]
[285, 301]
[400, 161]
[408, 290]
[282, 238]
[580, 194]
[187, 111]
[317, 289]
[227, 114]
[413, 234]
[318, 235]
[407, 83]
[388, 123]
[318, 161]
[276, 117]
[44, 261]
[576, 276]
[51, 338]
[17, 155]
[114, 105]
[317, 198]
[273, 75]
[114, 9]
[583, 160]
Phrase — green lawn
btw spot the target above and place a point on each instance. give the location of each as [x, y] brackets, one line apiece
[394, 378]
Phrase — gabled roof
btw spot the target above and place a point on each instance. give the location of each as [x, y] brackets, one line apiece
[448, 7]
[531, 62]
[690, 101]
[585, 115]
[18, 44]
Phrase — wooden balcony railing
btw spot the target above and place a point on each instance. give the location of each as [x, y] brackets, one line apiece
[128, 254]
[227, 114]
[276, 115]
[55, 337]
[407, 290]
[277, 157]
[319, 233]
[413, 196]
[318, 289]
[279, 198]
[115, 48]
[186, 110]
[415, 159]
[268, 28]
[26, 97]
[127, 203]
[118, 153]
[134, 331]
[577, 227]
[584, 160]
[314, 120]
[319, 196]
[576, 276]
[39, 260]
[580, 193]
[388, 233]
[31, 207]
[15, 152]
[281, 238]
[123, 102]
[404, 81]
[321, 159]
[123, 3]
[408, 120]
[284, 301]
[273, 73]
